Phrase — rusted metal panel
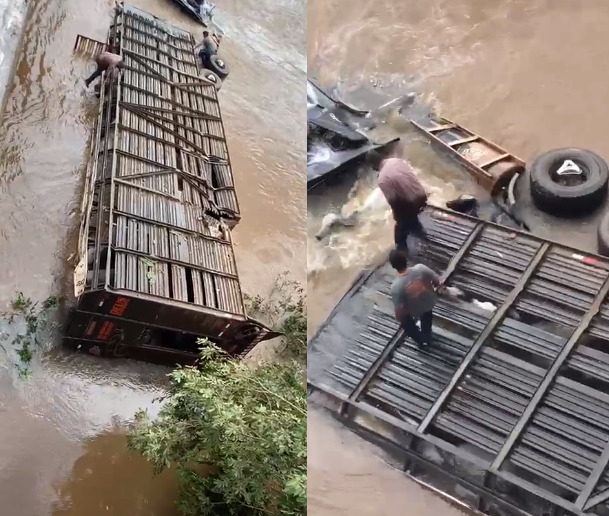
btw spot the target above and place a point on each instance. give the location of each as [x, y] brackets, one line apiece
[491, 165]
[111, 325]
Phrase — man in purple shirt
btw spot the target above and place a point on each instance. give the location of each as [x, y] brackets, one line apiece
[405, 195]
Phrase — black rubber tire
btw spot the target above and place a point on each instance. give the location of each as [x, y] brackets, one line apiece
[213, 77]
[603, 235]
[562, 200]
[214, 66]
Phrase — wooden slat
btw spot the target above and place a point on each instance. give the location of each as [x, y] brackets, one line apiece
[493, 180]
[463, 140]
[89, 46]
[439, 128]
[494, 160]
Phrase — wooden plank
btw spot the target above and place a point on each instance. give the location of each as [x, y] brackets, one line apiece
[89, 46]
[440, 128]
[496, 159]
[469, 139]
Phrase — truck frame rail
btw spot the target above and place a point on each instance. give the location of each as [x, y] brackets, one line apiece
[515, 384]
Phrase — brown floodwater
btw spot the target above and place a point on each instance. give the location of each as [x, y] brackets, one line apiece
[528, 75]
[62, 450]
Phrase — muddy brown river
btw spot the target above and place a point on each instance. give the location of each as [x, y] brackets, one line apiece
[527, 75]
[62, 444]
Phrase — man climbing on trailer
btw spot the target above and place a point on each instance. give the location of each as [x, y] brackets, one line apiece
[414, 295]
[207, 48]
[107, 61]
[405, 195]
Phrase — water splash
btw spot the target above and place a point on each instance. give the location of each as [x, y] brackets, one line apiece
[321, 153]
[372, 235]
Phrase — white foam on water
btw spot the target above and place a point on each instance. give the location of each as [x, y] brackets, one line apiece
[358, 246]
[319, 153]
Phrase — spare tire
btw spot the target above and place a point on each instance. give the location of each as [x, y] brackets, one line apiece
[219, 67]
[213, 78]
[569, 181]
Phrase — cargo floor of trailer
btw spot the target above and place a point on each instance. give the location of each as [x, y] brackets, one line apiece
[510, 403]
[157, 268]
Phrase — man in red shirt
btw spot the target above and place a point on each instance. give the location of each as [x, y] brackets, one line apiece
[405, 195]
[414, 293]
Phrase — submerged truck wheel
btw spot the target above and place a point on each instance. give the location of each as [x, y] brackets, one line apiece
[219, 67]
[569, 182]
[213, 78]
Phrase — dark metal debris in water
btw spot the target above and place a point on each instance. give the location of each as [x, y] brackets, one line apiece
[521, 392]
[160, 198]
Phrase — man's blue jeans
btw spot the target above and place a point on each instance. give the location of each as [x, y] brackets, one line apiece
[205, 56]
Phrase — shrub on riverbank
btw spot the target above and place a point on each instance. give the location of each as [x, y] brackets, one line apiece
[237, 433]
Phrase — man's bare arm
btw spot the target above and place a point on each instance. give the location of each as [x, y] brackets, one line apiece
[430, 275]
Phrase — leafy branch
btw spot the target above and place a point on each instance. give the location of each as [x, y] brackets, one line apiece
[284, 310]
[236, 435]
[26, 319]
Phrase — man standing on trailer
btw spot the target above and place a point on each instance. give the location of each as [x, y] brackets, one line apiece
[107, 61]
[404, 193]
[414, 295]
[208, 48]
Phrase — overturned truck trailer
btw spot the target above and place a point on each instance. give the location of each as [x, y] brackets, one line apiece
[157, 268]
[508, 409]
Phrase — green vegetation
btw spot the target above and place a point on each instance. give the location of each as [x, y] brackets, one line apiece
[284, 310]
[235, 433]
[25, 320]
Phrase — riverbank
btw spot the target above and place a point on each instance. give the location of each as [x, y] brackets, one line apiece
[13, 18]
